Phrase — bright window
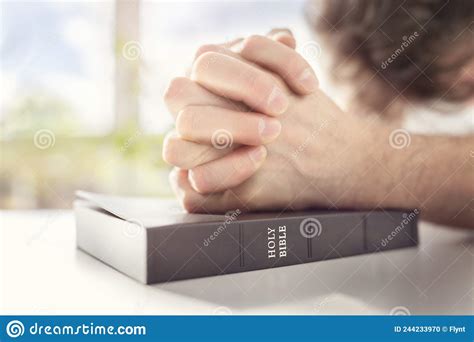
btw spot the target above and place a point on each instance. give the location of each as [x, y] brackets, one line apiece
[57, 67]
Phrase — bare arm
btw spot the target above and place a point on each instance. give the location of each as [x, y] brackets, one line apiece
[305, 153]
[435, 174]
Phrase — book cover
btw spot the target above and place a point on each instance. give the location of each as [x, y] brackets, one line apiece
[153, 240]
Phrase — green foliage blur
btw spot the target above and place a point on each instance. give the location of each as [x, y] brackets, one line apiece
[45, 174]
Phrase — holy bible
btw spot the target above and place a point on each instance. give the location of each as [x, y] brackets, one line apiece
[153, 240]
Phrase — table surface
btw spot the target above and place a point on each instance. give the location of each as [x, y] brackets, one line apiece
[43, 273]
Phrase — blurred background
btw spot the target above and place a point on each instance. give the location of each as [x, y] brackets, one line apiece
[82, 84]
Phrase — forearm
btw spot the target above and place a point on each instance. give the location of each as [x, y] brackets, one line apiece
[434, 174]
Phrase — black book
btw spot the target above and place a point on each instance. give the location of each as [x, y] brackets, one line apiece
[154, 241]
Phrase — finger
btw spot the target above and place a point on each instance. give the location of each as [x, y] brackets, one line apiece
[183, 92]
[231, 43]
[282, 60]
[270, 54]
[194, 202]
[281, 35]
[239, 81]
[284, 36]
[280, 30]
[190, 199]
[187, 154]
[222, 127]
[229, 171]
[224, 49]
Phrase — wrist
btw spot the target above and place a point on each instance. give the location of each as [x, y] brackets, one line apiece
[399, 173]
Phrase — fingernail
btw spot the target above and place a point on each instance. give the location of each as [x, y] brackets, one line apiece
[277, 101]
[192, 181]
[269, 129]
[257, 154]
[308, 80]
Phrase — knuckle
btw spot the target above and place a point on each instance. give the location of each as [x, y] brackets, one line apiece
[171, 150]
[204, 62]
[240, 169]
[202, 156]
[265, 88]
[175, 87]
[186, 122]
[255, 80]
[251, 44]
[296, 64]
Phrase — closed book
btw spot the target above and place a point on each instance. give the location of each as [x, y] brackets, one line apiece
[153, 240]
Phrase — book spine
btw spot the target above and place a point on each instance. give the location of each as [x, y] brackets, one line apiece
[205, 249]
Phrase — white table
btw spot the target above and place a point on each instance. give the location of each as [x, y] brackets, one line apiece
[42, 272]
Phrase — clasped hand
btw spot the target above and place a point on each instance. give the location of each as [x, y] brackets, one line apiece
[254, 131]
